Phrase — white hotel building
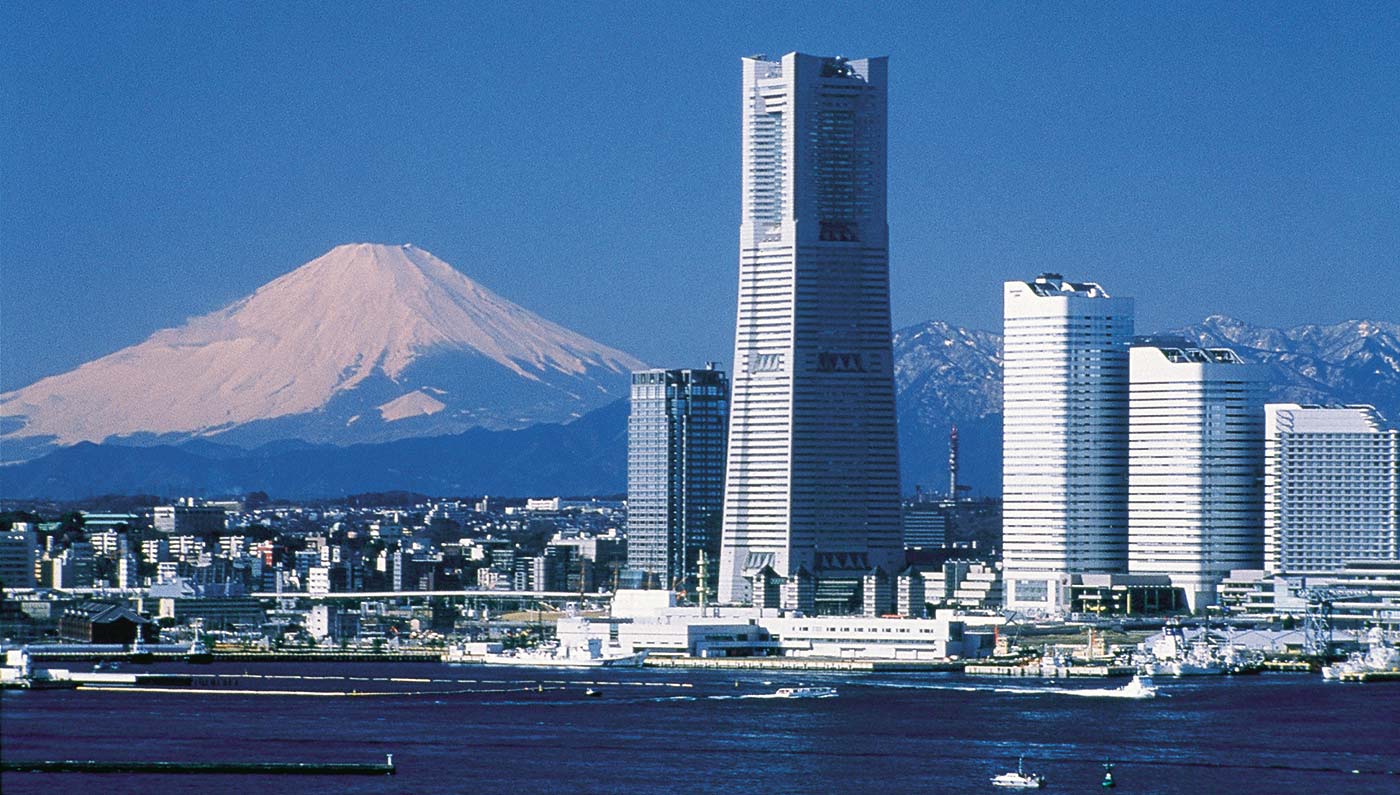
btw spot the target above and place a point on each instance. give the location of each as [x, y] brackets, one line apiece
[1331, 488]
[1195, 453]
[812, 476]
[1065, 438]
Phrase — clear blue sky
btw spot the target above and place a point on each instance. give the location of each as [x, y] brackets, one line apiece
[159, 160]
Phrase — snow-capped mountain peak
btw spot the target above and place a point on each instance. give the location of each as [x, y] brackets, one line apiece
[363, 327]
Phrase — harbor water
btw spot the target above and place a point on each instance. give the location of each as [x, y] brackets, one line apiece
[510, 730]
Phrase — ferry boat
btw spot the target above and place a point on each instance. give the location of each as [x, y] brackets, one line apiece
[592, 655]
[1019, 779]
[806, 692]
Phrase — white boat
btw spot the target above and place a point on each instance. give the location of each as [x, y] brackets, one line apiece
[1140, 687]
[806, 692]
[1171, 655]
[591, 655]
[1379, 656]
[1019, 779]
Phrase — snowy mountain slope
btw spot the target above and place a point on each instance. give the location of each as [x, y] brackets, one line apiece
[1355, 361]
[365, 343]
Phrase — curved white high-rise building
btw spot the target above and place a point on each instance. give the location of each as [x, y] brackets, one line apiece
[1195, 465]
[812, 481]
[1064, 438]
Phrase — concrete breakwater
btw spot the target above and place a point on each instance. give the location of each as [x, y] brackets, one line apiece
[802, 664]
[255, 768]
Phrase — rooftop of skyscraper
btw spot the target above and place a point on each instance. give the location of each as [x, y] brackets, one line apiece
[1052, 284]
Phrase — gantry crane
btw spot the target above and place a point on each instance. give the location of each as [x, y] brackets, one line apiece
[1317, 618]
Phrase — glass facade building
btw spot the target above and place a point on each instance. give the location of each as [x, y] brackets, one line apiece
[675, 473]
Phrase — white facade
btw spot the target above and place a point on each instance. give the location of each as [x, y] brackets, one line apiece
[812, 476]
[1064, 439]
[1331, 488]
[650, 621]
[189, 518]
[318, 580]
[1195, 466]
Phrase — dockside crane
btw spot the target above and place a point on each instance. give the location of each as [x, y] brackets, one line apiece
[1317, 616]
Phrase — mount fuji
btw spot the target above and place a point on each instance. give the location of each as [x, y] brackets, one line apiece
[366, 343]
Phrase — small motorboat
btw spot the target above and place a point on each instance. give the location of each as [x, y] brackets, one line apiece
[1140, 687]
[806, 692]
[1020, 779]
[1108, 782]
[593, 693]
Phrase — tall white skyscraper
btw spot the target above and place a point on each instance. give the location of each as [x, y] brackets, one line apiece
[812, 483]
[1195, 465]
[1331, 488]
[1064, 438]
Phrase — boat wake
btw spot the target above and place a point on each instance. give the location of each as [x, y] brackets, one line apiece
[1098, 692]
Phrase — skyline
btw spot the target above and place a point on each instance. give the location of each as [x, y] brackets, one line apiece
[215, 149]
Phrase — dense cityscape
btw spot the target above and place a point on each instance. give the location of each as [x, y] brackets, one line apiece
[1143, 476]
[1160, 516]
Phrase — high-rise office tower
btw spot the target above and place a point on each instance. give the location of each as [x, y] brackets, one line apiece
[675, 472]
[812, 485]
[1331, 488]
[1195, 465]
[1064, 439]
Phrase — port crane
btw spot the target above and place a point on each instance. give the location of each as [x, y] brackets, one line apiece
[1317, 616]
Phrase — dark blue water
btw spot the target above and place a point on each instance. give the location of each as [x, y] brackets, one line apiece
[488, 730]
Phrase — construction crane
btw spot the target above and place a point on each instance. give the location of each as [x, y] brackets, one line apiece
[1317, 617]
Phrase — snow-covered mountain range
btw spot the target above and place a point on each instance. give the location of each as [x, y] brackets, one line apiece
[948, 375]
[364, 343]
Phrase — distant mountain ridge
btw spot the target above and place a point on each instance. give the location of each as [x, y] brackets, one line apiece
[587, 456]
[1356, 361]
[944, 375]
[367, 342]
